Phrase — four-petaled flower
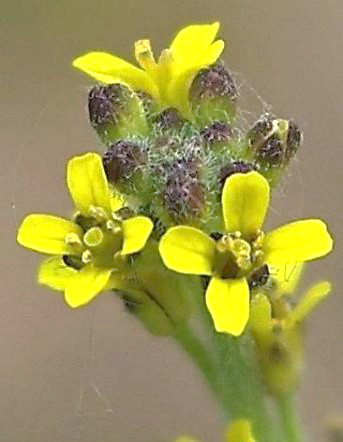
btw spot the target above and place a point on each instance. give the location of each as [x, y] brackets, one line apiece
[168, 80]
[243, 250]
[90, 250]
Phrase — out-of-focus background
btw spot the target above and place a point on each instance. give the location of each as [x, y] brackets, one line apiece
[94, 374]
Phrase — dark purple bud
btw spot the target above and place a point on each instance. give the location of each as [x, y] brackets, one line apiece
[259, 277]
[213, 82]
[217, 132]
[261, 130]
[272, 151]
[122, 159]
[183, 193]
[105, 103]
[213, 95]
[169, 119]
[294, 139]
[234, 167]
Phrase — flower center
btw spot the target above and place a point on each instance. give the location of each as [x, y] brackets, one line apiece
[236, 256]
[100, 244]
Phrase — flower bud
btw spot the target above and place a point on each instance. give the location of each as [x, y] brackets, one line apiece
[168, 120]
[116, 112]
[217, 135]
[272, 143]
[183, 193]
[152, 316]
[213, 95]
[124, 161]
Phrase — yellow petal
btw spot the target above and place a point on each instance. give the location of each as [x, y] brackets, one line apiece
[298, 241]
[212, 53]
[85, 285]
[55, 274]
[110, 69]
[314, 296]
[117, 200]
[228, 302]
[87, 183]
[240, 431]
[191, 43]
[188, 250]
[245, 201]
[136, 232]
[287, 277]
[47, 233]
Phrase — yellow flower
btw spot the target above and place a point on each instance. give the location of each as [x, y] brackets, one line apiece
[238, 431]
[244, 249]
[277, 328]
[167, 80]
[88, 251]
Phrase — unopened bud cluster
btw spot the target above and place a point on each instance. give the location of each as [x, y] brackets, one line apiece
[174, 167]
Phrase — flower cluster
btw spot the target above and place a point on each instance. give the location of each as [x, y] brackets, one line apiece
[175, 161]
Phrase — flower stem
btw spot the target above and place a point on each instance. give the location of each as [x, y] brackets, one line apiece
[289, 418]
[195, 349]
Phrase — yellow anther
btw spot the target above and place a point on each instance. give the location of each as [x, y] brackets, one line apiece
[87, 257]
[221, 244]
[257, 243]
[257, 256]
[144, 54]
[73, 239]
[98, 213]
[242, 252]
[113, 226]
[236, 234]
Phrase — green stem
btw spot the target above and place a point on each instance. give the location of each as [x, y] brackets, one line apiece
[190, 343]
[234, 375]
[289, 418]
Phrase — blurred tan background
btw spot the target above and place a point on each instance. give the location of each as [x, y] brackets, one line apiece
[94, 374]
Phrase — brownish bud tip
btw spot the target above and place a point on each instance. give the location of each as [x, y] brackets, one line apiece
[122, 159]
[216, 133]
[183, 193]
[234, 167]
[294, 139]
[105, 102]
[259, 277]
[169, 119]
[215, 81]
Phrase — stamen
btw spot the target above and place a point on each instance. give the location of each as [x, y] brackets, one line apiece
[258, 240]
[113, 226]
[242, 252]
[87, 257]
[73, 239]
[144, 55]
[98, 213]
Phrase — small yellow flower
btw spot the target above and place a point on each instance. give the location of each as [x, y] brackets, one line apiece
[88, 251]
[277, 328]
[233, 258]
[167, 80]
[238, 431]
